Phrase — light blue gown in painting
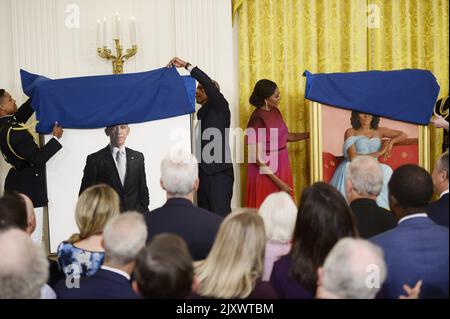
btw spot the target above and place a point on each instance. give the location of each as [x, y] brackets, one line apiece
[363, 145]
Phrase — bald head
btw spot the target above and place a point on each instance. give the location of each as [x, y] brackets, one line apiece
[23, 266]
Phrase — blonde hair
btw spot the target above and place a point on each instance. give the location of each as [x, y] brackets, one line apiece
[279, 214]
[95, 206]
[236, 259]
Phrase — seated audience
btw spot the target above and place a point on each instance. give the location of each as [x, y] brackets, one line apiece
[323, 218]
[364, 183]
[83, 253]
[438, 210]
[197, 226]
[164, 269]
[279, 213]
[417, 249]
[23, 266]
[354, 269]
[12, 206]
[123, 237]
[235, 264]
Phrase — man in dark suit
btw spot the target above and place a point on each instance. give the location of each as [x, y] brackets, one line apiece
[364, 183]
[417, 249]
[438, 210]
[123, 238]
[216, 168]
[19, 149]
[197, 226]
[121, 168]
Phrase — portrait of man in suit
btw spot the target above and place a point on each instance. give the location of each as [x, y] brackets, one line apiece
[121, 168]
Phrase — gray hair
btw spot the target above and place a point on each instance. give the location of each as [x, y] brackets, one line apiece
[366, 175]
[23, 266]
[123, 237]
[279, 214]
[179, 171]
[347, 269]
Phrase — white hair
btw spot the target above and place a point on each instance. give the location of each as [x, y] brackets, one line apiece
[123, 237]
[279, 214]
[366, 175]
[23, 266]
[179, 171]
[354, 269]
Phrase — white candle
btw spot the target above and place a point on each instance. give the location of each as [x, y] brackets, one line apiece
[118, 28]
[99, 36]
[133, 31]
[104, 33]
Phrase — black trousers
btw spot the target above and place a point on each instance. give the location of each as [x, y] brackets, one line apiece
[215, 191]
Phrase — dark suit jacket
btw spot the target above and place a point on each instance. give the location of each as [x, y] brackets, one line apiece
[417, 249]
[214, 114]
[197, 226]
[101, 168]
[104, 284]
[372, 219]
[28, 173]
[438, 211]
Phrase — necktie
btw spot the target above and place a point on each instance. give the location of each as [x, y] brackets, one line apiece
[121, 166]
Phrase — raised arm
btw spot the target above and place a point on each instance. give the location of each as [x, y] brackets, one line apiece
[24, 112]
[211, 91]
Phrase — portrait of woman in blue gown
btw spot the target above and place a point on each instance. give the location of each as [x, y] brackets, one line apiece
[365, 137]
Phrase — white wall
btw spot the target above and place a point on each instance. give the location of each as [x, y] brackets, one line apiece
[35, 36]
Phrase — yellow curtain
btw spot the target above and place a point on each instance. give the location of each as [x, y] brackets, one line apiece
[412, 34]
[279, 39]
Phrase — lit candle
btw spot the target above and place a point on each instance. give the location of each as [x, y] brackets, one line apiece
[105, 44]
[133, 31]
[99, 36]
[116, 25]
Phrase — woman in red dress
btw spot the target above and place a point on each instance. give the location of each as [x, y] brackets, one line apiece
[268, 169]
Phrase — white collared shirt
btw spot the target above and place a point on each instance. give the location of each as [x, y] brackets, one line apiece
[117, 271]
[413, 216]
[443, 193]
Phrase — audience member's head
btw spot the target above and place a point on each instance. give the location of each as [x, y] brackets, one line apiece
[236, 259]
[13, 212]
[179, 174]
[23, 266]
[364, 178]
[440, 174]
[323, 218]
[117, 134]
[279, 214]
[96, 205]
[354, 269]
[123, 237]
[31, 217]
[410, 190]
[164, 269]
